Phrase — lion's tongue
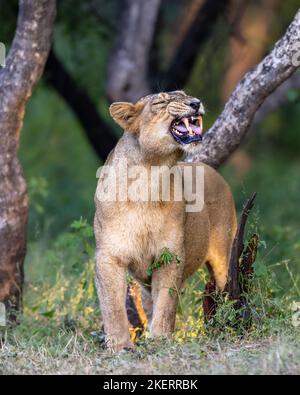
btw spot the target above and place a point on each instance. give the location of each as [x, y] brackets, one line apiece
[182, 128]
[196, 129]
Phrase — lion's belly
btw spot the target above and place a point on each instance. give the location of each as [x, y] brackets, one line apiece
[197, 231]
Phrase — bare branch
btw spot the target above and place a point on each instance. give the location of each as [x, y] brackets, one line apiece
[231, 127]
[128, 65]
[236, 251]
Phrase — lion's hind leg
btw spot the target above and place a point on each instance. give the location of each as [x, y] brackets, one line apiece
[139, 307]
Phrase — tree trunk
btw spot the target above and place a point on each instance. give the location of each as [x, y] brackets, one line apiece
[24, 67]
[128, 65]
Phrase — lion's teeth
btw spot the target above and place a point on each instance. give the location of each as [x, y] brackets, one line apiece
[187, 125]
[186, 122]
[200, 122]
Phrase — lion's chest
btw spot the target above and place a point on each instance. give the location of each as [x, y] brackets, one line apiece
[138, 232]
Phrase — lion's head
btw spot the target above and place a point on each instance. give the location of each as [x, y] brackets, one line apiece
[162, 122]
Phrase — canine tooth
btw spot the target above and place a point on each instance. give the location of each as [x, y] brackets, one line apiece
[186, 122]
[200, 122]
[187, 125]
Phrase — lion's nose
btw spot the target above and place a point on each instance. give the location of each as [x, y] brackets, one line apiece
[195, 104]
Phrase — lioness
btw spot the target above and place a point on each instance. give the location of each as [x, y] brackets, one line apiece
[132, 233]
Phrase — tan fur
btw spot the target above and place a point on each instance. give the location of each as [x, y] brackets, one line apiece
[132, 235]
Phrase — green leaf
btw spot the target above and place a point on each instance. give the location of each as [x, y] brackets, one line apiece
[49, 313]
[78, 224]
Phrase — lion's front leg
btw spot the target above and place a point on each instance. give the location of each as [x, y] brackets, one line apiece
[111, 288]
[166, 285]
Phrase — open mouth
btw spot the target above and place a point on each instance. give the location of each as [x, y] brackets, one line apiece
[187, 130]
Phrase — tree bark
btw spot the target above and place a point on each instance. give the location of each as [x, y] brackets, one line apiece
[232, 125]
[98, 132]
[24, 67]
[128, 66]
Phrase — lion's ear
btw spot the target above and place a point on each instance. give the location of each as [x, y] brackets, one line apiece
[126, 115]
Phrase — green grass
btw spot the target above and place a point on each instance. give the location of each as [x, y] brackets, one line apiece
[73, 353]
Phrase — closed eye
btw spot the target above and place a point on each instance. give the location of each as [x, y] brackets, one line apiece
[159, 102]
